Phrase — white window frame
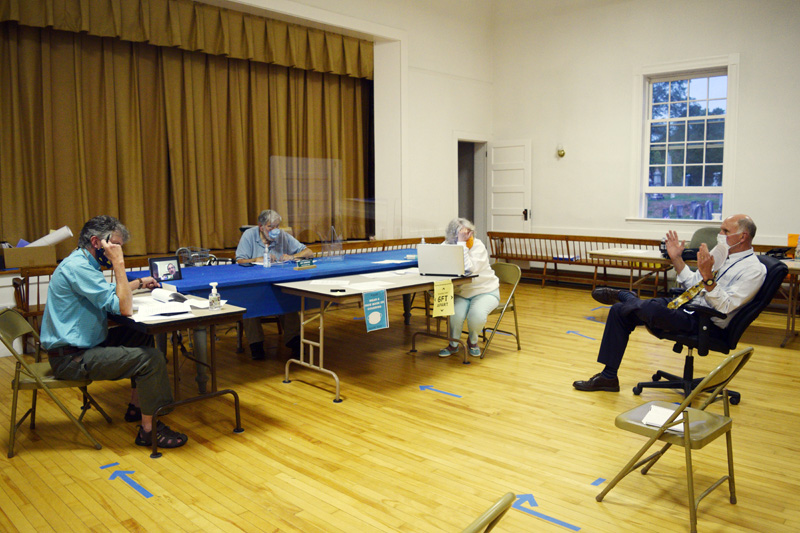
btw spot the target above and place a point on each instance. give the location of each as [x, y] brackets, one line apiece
[639, 168]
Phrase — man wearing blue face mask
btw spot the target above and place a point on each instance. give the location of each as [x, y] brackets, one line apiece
[75, 328]
[281, 247]
[730, 276]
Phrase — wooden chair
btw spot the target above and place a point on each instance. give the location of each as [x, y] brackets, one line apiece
[490, 518]
[683, 426]
[29, 306]
[37, 376]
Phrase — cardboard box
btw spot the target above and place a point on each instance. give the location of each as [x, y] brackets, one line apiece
[29, 256]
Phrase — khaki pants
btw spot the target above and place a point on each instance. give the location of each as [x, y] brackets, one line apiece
[290, 322]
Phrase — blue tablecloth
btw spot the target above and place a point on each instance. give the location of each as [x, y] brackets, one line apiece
[253, 287]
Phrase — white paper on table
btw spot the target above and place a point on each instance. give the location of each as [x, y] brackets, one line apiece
[156, 309]
[390, 261]
[370, 285]
[203, 304]
[657, 415]
[376, 275]
[144, 318]
[335, 282]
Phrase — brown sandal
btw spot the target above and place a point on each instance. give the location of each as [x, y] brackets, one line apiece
[166, 438]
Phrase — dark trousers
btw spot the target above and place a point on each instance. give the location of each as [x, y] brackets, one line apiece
[124, 354]
[626, 315]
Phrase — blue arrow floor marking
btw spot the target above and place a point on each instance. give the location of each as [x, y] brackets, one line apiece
[528, 498]
[428, 387]
[123, 475]
[581, 335]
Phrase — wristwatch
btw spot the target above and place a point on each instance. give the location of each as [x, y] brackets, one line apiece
[709, 282]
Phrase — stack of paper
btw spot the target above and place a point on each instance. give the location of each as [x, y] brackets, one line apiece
[658, 415]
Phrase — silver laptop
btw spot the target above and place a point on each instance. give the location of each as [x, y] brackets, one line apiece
[440, 259]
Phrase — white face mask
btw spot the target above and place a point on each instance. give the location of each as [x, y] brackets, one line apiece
[720, 251]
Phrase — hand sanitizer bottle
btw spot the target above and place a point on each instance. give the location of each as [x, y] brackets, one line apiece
[423, 240]
[266, 257]
[213, 298]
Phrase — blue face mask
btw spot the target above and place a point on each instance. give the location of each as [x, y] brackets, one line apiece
[102, 259]
[274, 234]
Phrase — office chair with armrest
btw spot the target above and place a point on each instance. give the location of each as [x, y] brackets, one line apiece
[706, 235]
[711, 338]
[38, 375]
[683, 426]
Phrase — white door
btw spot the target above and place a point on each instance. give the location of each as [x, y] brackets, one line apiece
[509, 186]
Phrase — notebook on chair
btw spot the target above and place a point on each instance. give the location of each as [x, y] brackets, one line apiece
[440, 259]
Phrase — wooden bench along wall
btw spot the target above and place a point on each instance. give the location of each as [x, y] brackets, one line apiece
[554, 250]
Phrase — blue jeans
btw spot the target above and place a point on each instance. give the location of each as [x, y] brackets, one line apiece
[474, 310]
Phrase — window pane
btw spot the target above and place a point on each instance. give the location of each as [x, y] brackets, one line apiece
[660, 111]
[675, 154]
[697, 108]
[677, 110]
[677, 132]
[716, 130]
[658, 154]
[679, 89]
[713, 176]
[656, 176]
[718, 87]
[698, 89]
[658, 132]
[660, 92]
[714, 153]
[697, 130]
[694, 153]
[717, 107]
[694, 176]
[684, 205]
[675, 176]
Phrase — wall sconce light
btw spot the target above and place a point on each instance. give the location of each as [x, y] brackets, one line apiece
[560, 151]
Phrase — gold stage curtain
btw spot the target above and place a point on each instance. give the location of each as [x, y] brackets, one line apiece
[176, 143]
[197, 27]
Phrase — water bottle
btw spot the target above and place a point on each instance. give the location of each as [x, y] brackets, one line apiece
[266, 258]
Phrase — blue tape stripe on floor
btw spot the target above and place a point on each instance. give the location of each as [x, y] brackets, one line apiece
[598, 481]
[109, 465]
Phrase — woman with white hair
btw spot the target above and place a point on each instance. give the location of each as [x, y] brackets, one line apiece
[473, 301]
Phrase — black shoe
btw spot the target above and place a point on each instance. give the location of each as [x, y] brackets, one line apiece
[294, 345]
[257, 351]
[606, 295]
[598, 382]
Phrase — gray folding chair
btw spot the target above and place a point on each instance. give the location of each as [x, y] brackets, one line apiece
[38, 375]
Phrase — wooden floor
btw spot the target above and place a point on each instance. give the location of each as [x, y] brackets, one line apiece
[393, 457]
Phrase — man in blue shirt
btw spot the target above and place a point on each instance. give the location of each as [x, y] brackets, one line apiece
[75, 327]
[282, 247]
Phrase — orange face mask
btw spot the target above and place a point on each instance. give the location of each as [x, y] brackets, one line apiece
[470, 241]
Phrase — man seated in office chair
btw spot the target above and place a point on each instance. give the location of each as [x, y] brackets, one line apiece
[727, 277]
[281, 247]
[75, 328]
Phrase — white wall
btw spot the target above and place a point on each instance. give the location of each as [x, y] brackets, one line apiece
[567, 77]
[562, 71]
[432, 79]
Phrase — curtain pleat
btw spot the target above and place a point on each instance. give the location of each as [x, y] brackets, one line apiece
[183, 146]
[192, 26]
